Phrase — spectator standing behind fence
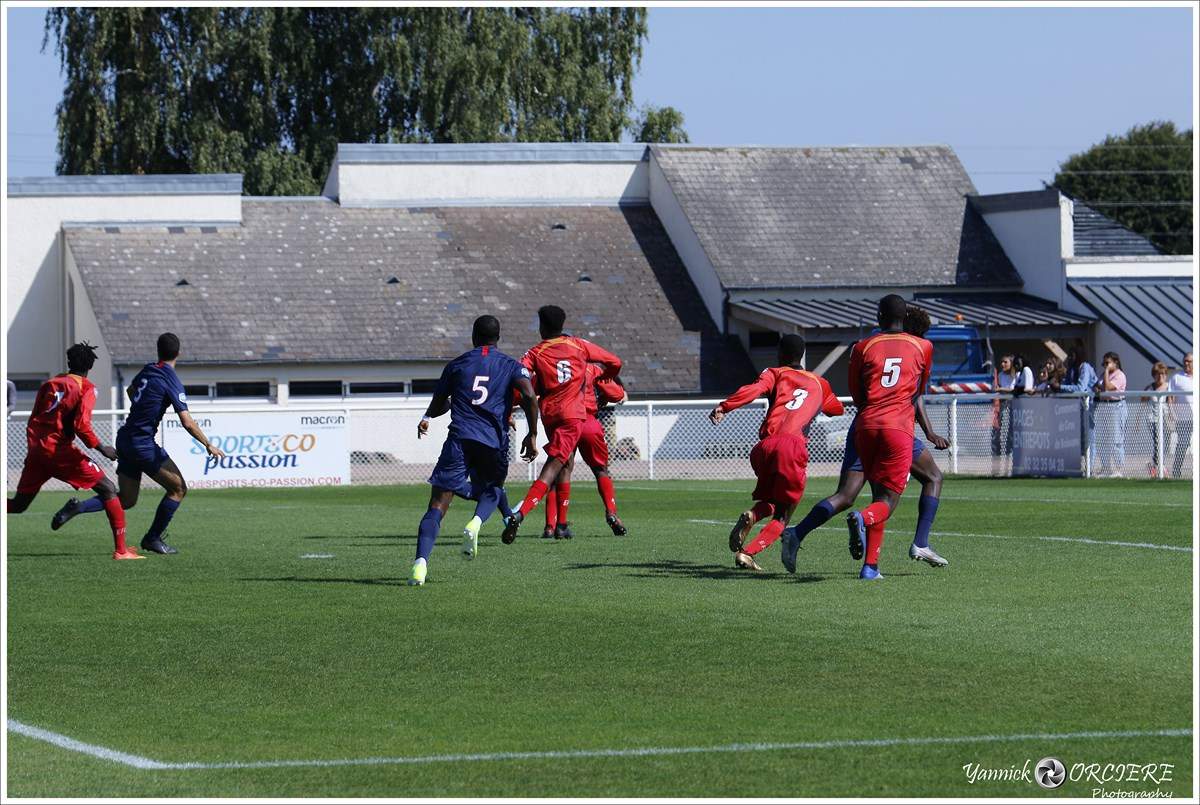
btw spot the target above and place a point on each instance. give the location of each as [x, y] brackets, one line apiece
[1159, 374]
[1014, 378]
[1181, 409]
[1111, 415]
[1081, 378]
[1051, 376]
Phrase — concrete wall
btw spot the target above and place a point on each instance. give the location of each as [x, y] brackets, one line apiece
[1034, 241]
[34, 279]
[81, 325]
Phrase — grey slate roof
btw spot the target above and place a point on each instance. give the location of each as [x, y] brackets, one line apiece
[835, 217]
[850, 312]
[1097, 235]
[1154, 314]
[310, 281]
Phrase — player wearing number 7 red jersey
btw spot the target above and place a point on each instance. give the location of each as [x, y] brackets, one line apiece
[780, 459]
[888, 371]
[559, 368]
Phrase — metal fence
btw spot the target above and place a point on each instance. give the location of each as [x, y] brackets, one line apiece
[1144, 435]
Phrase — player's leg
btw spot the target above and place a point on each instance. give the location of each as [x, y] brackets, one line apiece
[926, 470]
[772, 530]
[489, 471]
[170, 478]
[563, 441]
[99, 503]
[427, 532]
[761, 463]
[562, 501]
[551, 511]
[593, 447]
[19, 502]
[106, 492]
[850, 483]
[886, 458]
[34, 475]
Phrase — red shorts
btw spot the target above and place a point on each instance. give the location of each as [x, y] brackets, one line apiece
[70, 465]
[592, 445]
[886, 456]
[564, 438]
[781, 464]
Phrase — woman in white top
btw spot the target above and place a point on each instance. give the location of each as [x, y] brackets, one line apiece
[1181, 408]
[1015, 378]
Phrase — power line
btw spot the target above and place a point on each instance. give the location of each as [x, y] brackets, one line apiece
[1134, 203]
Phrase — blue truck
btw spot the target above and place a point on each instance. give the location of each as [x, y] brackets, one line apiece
[961, 360]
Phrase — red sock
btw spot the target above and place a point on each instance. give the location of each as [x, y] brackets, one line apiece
[535, 494]
[116, 519]
[551, 509]
[761, 510]
[564, 500]
[874, 543]
[8, 503]
[769, 533]
[607, 494]
[877, 512]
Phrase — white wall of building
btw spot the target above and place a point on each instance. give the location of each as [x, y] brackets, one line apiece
[82, 325]
[1035, 242]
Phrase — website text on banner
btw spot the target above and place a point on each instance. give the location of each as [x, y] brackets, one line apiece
[283, 448]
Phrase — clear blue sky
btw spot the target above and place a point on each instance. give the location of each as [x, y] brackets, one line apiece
[1013, 91]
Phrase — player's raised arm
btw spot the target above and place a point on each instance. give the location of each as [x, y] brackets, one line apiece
[746, 394]
[600, 355]
[189, 424]
[830, 404]
[528, 403]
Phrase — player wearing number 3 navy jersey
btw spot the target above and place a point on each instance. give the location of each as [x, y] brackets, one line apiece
[780, 459]
[888, 371]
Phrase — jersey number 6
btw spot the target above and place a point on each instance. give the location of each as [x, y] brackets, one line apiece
[482, 389]
[564, 371]
[891, 372]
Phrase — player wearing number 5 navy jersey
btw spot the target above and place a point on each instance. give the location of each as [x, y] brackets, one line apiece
[780, 459]
[888, 371]
[477, 388]
[559, 368]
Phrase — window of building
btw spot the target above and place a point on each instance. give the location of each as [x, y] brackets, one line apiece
[315, 388]
[197, 391]
[27, 389]
[250, 388]
[379, 388]
[423, 386]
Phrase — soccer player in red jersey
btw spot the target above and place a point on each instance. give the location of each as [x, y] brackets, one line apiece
[593, 447]
[780, 459]
[62, 411]
[888, 371]
[559, 368]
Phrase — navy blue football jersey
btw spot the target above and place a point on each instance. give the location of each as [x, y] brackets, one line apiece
[155, 388]
[480, 385]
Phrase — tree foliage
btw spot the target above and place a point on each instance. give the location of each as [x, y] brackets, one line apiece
[270, 92]
[1142, 180]
[659, 124]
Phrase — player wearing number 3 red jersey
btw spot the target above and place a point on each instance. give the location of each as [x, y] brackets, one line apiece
[888, 371]
[780, 459]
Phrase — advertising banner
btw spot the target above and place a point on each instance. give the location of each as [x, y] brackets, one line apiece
[1047, 437]
[277, 448]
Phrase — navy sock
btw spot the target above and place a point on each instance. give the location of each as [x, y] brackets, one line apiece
[91, 505]
[166, 510]
[489, 499]
[817, 517]
[927, 507]
[505, 509]
[427, 533]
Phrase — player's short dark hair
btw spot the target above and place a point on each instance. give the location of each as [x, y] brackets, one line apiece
[168, 347]
[81, 358]
[916, 321]
[485, 330]
[791, 348]
[892, 309]
[551, 319]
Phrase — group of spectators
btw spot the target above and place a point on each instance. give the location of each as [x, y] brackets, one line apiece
[1107, 416]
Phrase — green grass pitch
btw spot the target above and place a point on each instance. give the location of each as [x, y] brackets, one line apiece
[241, 650]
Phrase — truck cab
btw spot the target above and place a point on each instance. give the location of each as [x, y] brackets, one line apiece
[959, 360]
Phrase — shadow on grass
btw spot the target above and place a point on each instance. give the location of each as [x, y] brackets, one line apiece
[385, 582]
[674, 568]
[400, 537]
[12, 555]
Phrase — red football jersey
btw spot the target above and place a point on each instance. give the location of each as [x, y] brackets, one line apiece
[559, 368]
[887, 372]
[62, 411]
[598, 390]
[795, 398]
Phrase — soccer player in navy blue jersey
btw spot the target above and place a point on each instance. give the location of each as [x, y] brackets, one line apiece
[155, 389]
[477, 389]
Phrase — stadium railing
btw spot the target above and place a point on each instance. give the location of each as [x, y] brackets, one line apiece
[673, 439]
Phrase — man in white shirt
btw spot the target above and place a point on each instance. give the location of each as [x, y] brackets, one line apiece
[1181, 409]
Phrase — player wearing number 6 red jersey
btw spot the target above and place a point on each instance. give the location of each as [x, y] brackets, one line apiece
[888, 371]
[559, 368]
[780, 459]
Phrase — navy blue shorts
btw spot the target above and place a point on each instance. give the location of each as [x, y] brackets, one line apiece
[467, 467]
[851, 461]
[135, 458]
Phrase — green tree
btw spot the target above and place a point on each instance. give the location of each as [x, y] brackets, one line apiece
[270, 92]
[659, 124]
[1142, 180]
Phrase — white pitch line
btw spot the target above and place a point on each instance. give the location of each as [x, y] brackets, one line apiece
[1089, 501]
[572, 754]
[1083, 540]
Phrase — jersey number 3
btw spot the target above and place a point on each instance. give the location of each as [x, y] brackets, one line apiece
[891, 372]
[479, 387]
[798, 398]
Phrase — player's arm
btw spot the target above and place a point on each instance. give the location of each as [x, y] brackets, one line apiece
[855, 377]
[439, 405]
[830, 404]
[83, 426]
[528, 402]
[611, 391]
[746, 394]
[610, 362]
[189, 424]
[938, 441]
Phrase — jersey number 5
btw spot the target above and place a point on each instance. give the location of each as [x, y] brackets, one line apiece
[798, 398]
[482, 389]
[891, 372]
[564, 371]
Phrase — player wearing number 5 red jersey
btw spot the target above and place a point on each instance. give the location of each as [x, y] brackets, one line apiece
[559, 368]
[888, 371]
[780, 459]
